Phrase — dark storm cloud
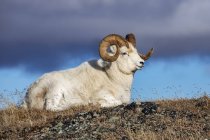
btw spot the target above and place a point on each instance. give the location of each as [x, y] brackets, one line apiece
[42, 57]
[43, 34]
[177, 46]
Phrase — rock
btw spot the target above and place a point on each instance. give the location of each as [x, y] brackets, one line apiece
[114, 119]
[131, 106]
[149, 108]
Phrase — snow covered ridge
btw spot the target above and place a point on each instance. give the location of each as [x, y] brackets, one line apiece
[106, 81]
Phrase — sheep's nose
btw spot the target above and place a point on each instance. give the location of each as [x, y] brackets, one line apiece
[141, 62]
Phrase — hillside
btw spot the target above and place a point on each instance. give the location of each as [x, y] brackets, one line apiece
[169, 119]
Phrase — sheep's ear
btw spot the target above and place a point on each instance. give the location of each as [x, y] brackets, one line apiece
[131, 38]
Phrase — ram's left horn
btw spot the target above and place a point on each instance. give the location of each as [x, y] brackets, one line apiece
[148, 55]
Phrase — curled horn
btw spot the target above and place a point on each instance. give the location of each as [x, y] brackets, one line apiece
[147, 56]
[112, 39]
[131, 38]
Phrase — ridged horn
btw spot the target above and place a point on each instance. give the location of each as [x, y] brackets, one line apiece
[112, 39]
[148, 55]
[131, 38]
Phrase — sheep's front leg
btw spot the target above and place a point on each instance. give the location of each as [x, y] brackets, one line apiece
[55, 100]
[53, 104]
[107, 99]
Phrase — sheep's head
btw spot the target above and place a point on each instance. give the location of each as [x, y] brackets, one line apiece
[115, 48]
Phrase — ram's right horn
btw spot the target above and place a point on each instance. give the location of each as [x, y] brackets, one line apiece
[112, 39]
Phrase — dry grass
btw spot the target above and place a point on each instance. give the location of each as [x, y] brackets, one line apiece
[17, 118]
[188, 122]
[187, 104]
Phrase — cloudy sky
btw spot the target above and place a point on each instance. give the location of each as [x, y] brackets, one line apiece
[45, 35]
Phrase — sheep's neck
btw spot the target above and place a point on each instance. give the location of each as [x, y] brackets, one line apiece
[118, 77]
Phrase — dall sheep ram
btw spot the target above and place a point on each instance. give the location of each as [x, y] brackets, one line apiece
[106, 81]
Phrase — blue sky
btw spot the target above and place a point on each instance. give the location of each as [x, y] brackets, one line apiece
[184, 77]
[43, 36]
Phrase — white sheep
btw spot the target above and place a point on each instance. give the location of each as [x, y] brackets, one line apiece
[106, 81]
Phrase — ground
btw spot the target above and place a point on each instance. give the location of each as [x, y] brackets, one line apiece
[165, 119]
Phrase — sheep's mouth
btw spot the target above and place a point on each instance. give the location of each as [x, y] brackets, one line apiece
[139, 67]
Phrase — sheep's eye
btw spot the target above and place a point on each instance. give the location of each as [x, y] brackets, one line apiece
[125, 53]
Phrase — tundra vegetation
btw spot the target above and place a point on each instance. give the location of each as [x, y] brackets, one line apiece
[161, 119]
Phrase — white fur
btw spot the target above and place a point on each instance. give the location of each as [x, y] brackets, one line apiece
[96, 82]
